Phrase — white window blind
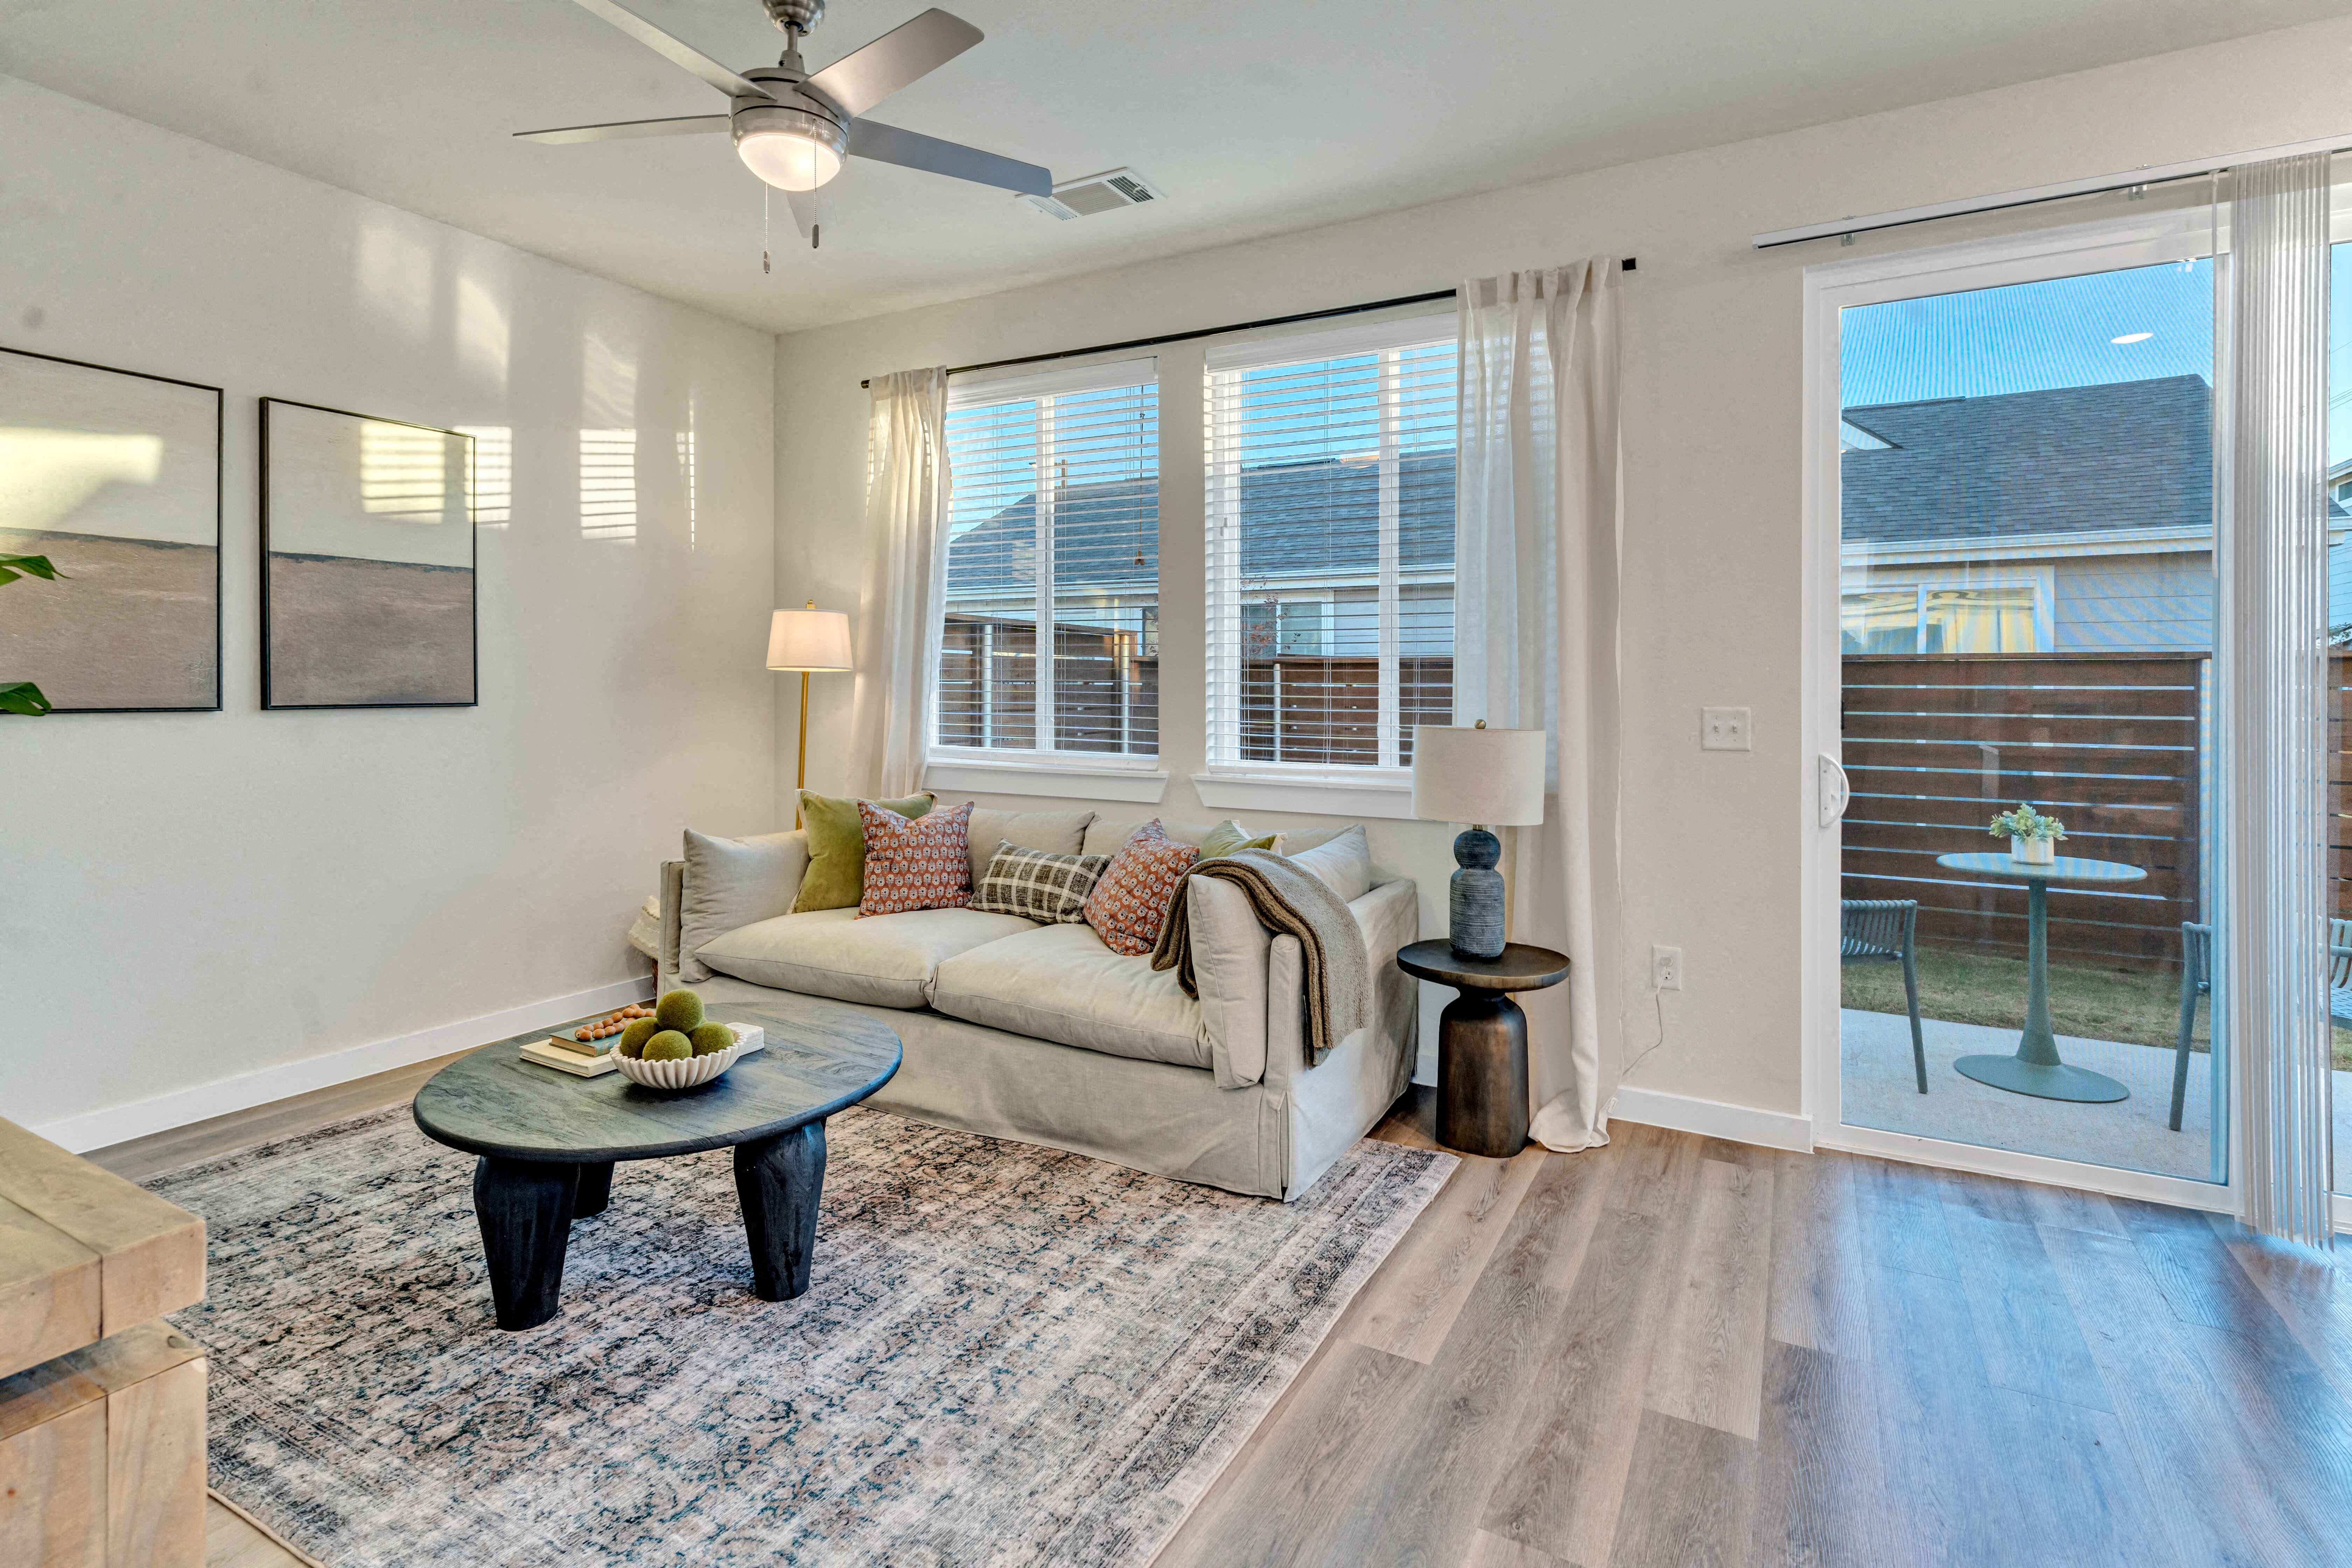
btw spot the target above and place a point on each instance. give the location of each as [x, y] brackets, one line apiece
[1330, 547]
[1052, 542]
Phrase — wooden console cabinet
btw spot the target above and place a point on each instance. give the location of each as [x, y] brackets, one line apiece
[101, 1405]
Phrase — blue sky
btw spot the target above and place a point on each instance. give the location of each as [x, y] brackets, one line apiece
[2031, 336]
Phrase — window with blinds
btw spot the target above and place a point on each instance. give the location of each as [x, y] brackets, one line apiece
[1053, 544]
[1330, 546]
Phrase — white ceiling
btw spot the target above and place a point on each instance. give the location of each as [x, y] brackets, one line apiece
[1256, 117]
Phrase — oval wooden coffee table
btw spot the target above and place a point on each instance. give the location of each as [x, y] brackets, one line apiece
[547, 1142]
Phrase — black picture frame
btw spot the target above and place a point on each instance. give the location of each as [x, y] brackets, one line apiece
[219, 489]
[269, 702]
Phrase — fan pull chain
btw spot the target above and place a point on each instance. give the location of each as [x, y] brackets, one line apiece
[764, 266]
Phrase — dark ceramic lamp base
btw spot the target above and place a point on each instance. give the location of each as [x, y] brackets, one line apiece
[1474, 900]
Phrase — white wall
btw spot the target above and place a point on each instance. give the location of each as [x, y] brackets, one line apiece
[1714, 354]
[188, 898]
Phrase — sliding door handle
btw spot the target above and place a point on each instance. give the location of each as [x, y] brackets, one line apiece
[1834, 790]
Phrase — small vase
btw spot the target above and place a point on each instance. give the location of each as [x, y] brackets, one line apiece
[2033, 851]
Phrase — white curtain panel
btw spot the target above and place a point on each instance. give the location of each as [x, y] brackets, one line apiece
[904, 591]
[2273, 592]
[1539, 531]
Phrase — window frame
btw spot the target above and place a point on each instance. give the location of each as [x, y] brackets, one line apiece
[1226, 779]
[1920, 582]
[1046, 769]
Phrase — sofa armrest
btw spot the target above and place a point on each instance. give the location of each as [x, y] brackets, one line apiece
[1229, 969]
[673, 887]
[1389, 917]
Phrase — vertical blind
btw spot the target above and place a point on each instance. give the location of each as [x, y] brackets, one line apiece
[1052, 543]
[1330, 545]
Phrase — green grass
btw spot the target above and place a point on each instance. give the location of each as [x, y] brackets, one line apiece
[2086, 1000]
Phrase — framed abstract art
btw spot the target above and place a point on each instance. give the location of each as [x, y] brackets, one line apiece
[367, 562]
[114, 476]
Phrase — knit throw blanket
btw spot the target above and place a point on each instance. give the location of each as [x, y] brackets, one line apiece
[1287, 901]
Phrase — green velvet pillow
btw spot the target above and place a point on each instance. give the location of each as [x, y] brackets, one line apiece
[1229, 835]
[836, 878]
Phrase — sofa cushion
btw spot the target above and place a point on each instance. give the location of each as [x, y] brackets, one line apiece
[1109, 837]
[835, 879]
[730, 883]
[1130, 902]
[1344, 863]
[1036, 885]
[886, 961]
[1229, 836]
[915, 863]
[1104, 837]
[1059, 983]
[1055, 832]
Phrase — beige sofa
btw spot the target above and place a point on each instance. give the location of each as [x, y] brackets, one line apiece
[1041, 1033]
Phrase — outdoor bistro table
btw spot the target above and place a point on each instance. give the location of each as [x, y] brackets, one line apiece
[2036, 1069]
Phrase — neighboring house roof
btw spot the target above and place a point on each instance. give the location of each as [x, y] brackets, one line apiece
[1305, 518]
[2075, 459]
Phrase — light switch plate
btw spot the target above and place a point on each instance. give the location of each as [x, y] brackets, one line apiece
[1724, 729]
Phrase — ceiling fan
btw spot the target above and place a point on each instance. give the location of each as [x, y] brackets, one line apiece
[792, 128]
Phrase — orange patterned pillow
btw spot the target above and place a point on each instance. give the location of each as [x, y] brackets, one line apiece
[1131, 902]
[919, 863]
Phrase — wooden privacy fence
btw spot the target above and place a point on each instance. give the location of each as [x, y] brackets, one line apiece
[2113, 744]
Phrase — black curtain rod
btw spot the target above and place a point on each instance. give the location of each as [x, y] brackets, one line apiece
[1215, 331]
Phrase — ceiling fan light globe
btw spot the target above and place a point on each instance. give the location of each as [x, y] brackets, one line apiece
[788, 160]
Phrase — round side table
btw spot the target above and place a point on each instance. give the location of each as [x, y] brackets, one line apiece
[1482, 1041]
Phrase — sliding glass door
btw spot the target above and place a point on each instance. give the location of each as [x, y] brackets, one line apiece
[2027, 900]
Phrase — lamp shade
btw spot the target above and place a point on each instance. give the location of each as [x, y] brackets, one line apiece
[809, 639]
[1492, 778]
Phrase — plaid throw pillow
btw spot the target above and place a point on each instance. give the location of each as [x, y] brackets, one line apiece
[1038, 885]
[921, 863]
[1131, 902]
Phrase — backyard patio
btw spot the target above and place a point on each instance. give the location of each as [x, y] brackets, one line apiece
[2118, 746]
[2132, 1134]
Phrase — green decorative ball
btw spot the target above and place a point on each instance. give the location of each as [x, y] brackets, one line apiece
[711, 1037]
[679, 1010]
[670, 1046]
[633, 1037]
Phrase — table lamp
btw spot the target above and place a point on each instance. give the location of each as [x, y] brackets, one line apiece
[812, 641]
[1487, 778]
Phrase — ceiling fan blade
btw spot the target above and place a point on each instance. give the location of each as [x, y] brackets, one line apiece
[622, 130]
[676, 51]
[912, 150]
[857, 81]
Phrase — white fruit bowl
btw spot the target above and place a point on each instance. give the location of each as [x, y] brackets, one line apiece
[689, 1072]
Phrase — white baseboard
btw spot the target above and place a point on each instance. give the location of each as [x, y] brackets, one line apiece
[162, 1113]
[1713, 1118]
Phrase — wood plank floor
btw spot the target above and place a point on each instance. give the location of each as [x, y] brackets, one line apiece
[1677, 1351]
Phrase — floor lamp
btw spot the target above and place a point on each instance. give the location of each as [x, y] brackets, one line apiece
[812, 641]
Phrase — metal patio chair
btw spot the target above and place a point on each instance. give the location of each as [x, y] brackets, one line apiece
[2196, 980]
[1886, 930]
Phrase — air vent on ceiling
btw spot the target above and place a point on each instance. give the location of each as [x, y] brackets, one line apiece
[1096, 194]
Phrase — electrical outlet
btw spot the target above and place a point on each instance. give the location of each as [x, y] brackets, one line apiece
[1724, 729]
[1665, 967]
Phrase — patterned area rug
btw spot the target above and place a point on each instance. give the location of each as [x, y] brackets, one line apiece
[1009, 1354]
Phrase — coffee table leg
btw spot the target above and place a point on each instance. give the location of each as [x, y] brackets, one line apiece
[778, 1180]
[595, 1190]
[525, 1210]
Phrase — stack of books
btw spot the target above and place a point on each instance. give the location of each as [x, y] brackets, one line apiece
[581, 1059]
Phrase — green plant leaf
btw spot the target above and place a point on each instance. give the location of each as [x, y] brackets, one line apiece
[14, 567]
[22, 697]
